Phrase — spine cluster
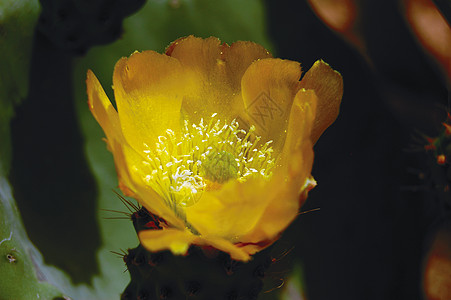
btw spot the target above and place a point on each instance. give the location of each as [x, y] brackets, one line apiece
[439, 149]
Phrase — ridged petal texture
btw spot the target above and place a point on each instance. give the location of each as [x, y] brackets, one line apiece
[192, 81]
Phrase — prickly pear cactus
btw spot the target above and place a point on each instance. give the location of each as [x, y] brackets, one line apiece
[21, 276]
[17, 20]
[202, 274]
[439, 150]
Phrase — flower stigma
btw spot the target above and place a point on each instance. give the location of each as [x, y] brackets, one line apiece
[203, 157]
[219, 167]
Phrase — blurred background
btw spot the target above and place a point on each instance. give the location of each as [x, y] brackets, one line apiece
[383, 228]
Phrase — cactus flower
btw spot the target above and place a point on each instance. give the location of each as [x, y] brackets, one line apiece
[216, 140]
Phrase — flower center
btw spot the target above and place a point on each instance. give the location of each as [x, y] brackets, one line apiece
[203, 157]
[219, 167]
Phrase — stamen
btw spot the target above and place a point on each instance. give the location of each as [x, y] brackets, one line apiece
[203, 157]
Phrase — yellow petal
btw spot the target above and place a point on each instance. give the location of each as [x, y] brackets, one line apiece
[178, 242]
[130, 165]
[217, 69]
[300, 125]
[295, 164]
[251, 249]
[149, 88]
[106, 115]
[236, 253]
[197, 53]
[268, 87]
[237, 58]
[231, 211]
[101, 107]
[285, 207]
[328, 86]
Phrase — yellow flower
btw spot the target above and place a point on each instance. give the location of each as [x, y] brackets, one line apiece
[216, 140]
